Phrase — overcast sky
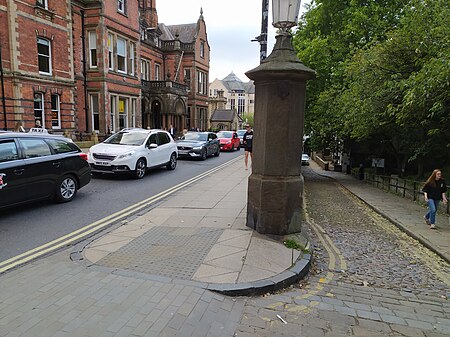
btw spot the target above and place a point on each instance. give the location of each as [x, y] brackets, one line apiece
[230, 26]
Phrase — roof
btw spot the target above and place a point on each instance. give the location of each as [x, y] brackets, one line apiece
[223, 115]
[186, 32]
[233, 83]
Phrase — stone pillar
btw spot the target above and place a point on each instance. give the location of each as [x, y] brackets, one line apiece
[275, 187]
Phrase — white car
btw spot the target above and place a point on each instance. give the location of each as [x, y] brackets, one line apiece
[134, 151]
[305, 159]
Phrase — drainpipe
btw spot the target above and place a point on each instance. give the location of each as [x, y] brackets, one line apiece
[83, 61]
[3, 88]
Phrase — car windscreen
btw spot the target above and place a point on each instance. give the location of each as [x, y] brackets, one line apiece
[241, 132]
[127, 138]
[196, 136]
[225, 134]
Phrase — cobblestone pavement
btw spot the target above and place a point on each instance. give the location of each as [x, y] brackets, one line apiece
[368, 278]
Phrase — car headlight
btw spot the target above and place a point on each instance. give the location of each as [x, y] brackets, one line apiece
[197, 148]
[126, 155]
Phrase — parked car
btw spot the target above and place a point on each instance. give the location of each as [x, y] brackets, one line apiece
[133, 151]
[241, 134]
[36, 166]
[198, 145]
[305, 159]
[229, 141]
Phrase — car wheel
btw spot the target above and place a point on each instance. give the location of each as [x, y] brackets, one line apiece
[172, 164]
[66, 188]
[141, 167]
[217, 152]
[204, 154]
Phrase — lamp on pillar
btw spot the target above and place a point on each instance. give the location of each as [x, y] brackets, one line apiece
[275, 187]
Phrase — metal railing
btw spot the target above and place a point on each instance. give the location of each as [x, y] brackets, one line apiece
[409, 189]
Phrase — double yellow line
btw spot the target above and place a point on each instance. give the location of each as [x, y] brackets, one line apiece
[102, 223]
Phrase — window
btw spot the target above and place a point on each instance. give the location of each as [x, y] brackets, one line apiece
[121, 6]
[61, 146]
[110, 52]
[42, 3]
[187, 76]
[202, 83]
[123, 112]
[8, 151]
[157, 70]
[44, 56]
[133, 112]
[92, 49]
[241, 104]
[202, 49]
[145, 68]
[132, 51]
[39, 108]
[163, 138]
[112, 122]
[121, 55]
[56, 112]
[95, 112]
[35, 148]
[233, 104]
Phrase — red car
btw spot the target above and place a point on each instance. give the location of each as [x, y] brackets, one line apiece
[229, 141]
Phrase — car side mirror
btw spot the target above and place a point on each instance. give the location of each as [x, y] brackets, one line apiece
[153, 146]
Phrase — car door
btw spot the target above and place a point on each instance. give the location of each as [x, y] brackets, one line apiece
[236, 141]
[153, 154]
[164, 147]
[12, 186]
[41, 169]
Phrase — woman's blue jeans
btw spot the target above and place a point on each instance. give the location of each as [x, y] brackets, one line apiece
[432, 208]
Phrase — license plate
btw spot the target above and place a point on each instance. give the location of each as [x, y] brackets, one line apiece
[102, 163]
[183, 152]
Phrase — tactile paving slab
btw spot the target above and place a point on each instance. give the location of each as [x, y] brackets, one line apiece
[175, 252]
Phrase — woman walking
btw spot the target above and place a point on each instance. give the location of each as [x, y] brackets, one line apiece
[434, 191]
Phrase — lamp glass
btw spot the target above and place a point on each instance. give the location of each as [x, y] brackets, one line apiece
[285, 13]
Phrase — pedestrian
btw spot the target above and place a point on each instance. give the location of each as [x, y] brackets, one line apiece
[172, 131]
[19, 127]
[434, 191]
[248, 144]
[361, 171]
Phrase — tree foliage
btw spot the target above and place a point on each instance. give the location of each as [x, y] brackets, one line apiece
[383, 73]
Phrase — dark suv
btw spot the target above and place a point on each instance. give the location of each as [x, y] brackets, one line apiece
[40, 166]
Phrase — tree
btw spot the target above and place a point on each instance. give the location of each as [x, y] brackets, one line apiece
[383, 73]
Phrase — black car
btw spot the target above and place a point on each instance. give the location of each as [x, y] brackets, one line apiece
[198, 145]
[37, 166]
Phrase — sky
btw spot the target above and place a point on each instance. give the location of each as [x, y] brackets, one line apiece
[230, 26]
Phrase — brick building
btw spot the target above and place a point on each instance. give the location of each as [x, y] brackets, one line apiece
[96, 66]
[38, 64]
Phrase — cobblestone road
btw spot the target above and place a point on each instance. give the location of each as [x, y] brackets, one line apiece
[368, 278]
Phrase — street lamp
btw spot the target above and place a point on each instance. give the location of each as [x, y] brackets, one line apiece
[285, 13]
[275, 187]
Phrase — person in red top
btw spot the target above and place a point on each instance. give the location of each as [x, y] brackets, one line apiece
[434, 191]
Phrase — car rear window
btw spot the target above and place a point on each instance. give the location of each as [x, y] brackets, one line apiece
[225, 134]
[34, 147]
[62, 146]
[8, 151]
